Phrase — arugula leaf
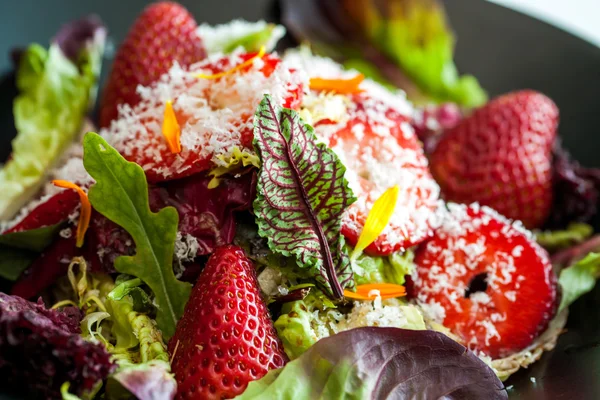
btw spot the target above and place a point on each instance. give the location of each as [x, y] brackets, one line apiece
[578, 279]
[301, 195]
[121, 195]
[14, 261]
[34, 239]
[19, 249]
[55, 94]
[381, 363]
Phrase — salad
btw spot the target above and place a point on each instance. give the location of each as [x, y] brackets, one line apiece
[349, 218]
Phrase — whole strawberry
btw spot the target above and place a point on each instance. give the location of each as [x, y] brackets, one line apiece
[225, 338]
[165, 32]
[500, 156]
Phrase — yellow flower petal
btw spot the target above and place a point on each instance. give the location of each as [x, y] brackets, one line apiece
[84, 214]
[377, 220]
[170, 129]
[245, 64]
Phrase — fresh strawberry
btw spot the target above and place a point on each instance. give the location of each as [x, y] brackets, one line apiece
[487, 280]
[225, 338]
[165, 32]
[500, 156]
[379, 150]
[54, 210]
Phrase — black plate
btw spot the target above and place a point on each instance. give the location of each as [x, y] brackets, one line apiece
[504, 49]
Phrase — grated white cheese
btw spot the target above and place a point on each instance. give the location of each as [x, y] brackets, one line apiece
[215, 112]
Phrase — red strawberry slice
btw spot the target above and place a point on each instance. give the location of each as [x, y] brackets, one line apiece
[165, 32]
[54, 210]
[500, 156]
[487, 280]
[379, 150]
[214, 115]
[225, 338]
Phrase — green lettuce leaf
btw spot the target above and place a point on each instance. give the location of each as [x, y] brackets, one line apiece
[390, 269]
[301, 196]
[13, 261]
[381, 363]
[55, 94]
[578, 279]
[575, 233]
[406, 44]
[121, 195]
[251, 36]
[297, 324]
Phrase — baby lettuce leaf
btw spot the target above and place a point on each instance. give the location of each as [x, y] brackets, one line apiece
[381, 363]
[55, 94]
[407, 42]
[121, 195]
[579, 279]
[301, 195]
[251, 36]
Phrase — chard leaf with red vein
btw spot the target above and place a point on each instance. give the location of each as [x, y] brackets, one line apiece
[121, 195]
[381, 363]
[301, 196]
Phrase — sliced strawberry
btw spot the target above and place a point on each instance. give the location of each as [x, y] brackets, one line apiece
[54, 210]
[164, 33]
[214, 115]
[379, 150]
[487, 280]
[225, 338]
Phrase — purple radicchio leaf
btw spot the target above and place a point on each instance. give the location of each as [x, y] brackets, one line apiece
[382, 363]
[147, 381]
[75, 36]
[576, 190]
[301, 196]
[40, 349]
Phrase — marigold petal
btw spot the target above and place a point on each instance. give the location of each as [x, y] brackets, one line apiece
[386, 291]
[342, 86]
[85, 214]
[170, 129]
[245, 64]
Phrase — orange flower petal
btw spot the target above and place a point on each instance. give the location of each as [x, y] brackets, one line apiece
[342, 86]
[386, 291]
[170, 129]
[245, 64]
[84, 214]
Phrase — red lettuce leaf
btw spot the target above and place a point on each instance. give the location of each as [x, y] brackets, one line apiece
[75, 35]
[40, 349]
[382, 363]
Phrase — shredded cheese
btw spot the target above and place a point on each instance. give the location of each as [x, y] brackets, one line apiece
[86, 209]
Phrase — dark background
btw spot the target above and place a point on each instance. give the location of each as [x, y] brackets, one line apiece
[504, 49]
